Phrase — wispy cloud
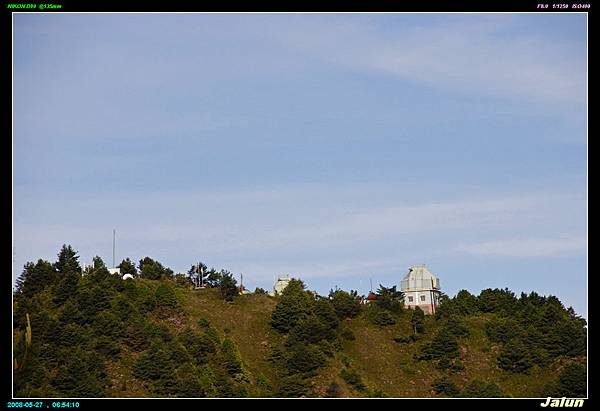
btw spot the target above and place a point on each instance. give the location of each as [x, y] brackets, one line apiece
[565, 245]
[473, 56]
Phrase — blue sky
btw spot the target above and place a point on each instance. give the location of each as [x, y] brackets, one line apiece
[332, 147]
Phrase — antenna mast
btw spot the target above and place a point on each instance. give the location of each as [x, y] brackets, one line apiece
[114, 248]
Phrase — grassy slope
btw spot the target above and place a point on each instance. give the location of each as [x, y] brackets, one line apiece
[382, 363]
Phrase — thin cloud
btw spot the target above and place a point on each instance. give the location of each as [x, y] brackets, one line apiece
[567, 245]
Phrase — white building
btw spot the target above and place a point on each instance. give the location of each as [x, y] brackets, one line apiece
[280, 285]
[114, 271]
[421, 289]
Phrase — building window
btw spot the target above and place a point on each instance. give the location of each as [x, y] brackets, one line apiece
[422, 298]
[410, 299]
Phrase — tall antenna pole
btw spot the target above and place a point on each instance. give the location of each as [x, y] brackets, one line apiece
[371, 281]
[114, 248]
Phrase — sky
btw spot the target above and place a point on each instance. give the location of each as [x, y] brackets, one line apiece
[336, 148]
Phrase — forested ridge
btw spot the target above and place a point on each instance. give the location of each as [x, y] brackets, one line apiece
[89, 333]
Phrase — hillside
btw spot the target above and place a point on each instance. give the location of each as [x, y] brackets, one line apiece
[99, 336]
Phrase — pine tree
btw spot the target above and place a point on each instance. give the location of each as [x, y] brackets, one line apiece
[127, 267]
[68, 260]
[228, 286]
[515, 357]
[417, 320]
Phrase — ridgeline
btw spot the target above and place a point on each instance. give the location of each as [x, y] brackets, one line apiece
[93, 334]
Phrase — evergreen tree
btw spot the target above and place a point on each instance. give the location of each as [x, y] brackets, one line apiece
[345, 304]
[417, 320]
[443, 345]
[68, 260]
[444, 386]
[231, 357]
[67, 286]
[35, 278]
[228, 286]
[309, 330]
[165, 296]
[293, 386]
[515, 357]
[572, 382]
[127, 267]
[153, 270]
[480, 389]
[304, 358]
[294, 305]
[465, 303]
[390, 299]
[325, 312]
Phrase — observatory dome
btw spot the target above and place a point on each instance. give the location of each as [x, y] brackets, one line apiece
[419, 278]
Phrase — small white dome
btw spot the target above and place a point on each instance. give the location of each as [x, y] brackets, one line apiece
[127, 276]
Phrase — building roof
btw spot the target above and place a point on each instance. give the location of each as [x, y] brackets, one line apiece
[419, 278]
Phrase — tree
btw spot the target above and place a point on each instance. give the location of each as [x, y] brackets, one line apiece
[310, 330]
[304, 358]
[353, 379]
[199, 346]
[497, 301]
[345, 304]
[325, 312]
[515, 357]
[228, 286]
[502, 330]
[443, 345]
[66, 287]
[444, 386]
[295, 304]
[417, 320]
[465, 303]
[68, 260]
[127, 267]
[198, 273]
[231, 357]
[35, 278]
[456, 327]
[480, 389]
[165, 296]
[390, 299]
[380, 316]
[153, 270]
[572, 382]
[293, 386]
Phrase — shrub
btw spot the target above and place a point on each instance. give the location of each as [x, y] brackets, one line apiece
[480, 389]
[353, 379]
[347, 334]
[333, 390]
[445, 386]
[293, 386]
